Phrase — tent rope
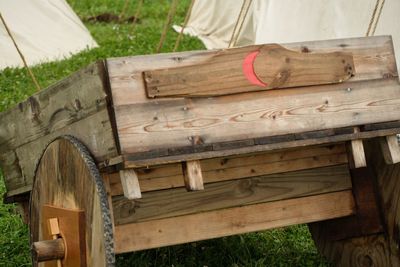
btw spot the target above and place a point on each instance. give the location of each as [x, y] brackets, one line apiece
[126, 4]
[137, 13]
[239, 22]
[185, 22]
[171, 14]
[376, 14]
[20, 53]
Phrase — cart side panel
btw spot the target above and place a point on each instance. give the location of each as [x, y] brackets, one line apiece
[161, 125]
[76, 106]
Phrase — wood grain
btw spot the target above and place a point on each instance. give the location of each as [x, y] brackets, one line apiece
[380, 249]
[266, 113]
[158, 125]
[274, 66]
[192, 175]
[212, 224]
[76, 105]
[228, 168]
[373, 59]
[390, 149]
[67, 178]
[227, 194]
[356, 154]
[130, 184]
[131, 160]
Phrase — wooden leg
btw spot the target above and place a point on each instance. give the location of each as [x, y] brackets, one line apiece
[373, 246]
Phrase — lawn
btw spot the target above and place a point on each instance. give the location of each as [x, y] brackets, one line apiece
[290, 246]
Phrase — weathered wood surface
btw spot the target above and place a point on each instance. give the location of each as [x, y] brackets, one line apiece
[193, 175]
[231, 221]
[76, 105]
[390, 149]
[388, 187]
[67, 178]
[229, 168]
[373, 96]
[260, 189]
[356, 154]
[274, 143]
[379, 249]
[367, 219]
[247, 69]
[130, 184]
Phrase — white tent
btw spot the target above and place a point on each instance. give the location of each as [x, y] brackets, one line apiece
[283, 21]
[44, 30]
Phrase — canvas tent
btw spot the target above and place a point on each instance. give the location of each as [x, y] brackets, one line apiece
[45, 30]
[283, 21]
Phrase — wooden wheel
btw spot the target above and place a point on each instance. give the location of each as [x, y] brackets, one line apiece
[379, 247]
[69, 191]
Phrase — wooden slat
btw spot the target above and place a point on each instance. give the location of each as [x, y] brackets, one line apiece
[162, 125]
[192, 175]
[228, 168]
[265, 113]
[128, 162]
[206, 225]
[273, 187]
[390, 149]
[247, 69]
[130, 184]
[373, 58]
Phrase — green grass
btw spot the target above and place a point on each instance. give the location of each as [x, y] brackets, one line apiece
[291, 246]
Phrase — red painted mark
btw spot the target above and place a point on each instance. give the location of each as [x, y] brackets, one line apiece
[248, 69]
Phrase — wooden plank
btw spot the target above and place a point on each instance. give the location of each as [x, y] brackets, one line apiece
[130, 184]
[373, 59]
[247, 69]
[390, 149]
[367, 219]
[65, 102]
[225, 222]
[273, 187]
[192, 175]
[95, 125]
[160, 125]
[76, 106]
[228, 168]
[136, 163]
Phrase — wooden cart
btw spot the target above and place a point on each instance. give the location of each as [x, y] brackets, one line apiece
[148, 151]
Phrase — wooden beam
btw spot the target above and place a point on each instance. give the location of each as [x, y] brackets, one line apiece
[228, 168]
[390, 149]
[373, 58]
[267, 114]
[227, 194]
[225, 222]
[251, 68]
[192, 175]
[130, 184]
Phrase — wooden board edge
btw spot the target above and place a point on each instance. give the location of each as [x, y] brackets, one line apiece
[219, 223]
